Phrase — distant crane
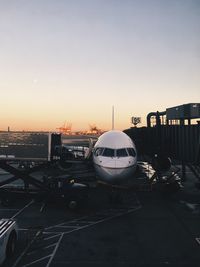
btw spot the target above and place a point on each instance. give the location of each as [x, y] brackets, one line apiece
[66, 128]
[94, 129]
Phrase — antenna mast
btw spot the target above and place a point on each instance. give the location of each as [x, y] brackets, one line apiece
[113, 118]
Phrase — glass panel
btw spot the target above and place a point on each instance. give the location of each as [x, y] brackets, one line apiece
[121, 152]
[131, 152]
[98, 151]
[108, 152]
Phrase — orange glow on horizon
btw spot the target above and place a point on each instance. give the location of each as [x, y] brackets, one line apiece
[27, 125]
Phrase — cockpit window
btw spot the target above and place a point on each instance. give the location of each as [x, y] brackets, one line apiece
[108, 152]
[131, 152]
[98, 151]
[121, 152]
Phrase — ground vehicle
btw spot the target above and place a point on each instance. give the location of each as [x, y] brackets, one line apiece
[8, 238]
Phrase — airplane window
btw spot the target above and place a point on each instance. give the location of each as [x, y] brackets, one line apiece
[131, 152]
[121, 152]
[108, 152]
[99, 151]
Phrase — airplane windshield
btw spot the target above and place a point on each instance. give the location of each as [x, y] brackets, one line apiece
[99, 151]
[121, 153]
[108, 152]
[131, 152]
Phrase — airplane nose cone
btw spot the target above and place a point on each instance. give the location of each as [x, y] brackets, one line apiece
[114, 175]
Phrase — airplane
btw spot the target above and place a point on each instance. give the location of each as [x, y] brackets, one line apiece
[114, 157]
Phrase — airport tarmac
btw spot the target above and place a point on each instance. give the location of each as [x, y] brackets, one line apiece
[145, 228]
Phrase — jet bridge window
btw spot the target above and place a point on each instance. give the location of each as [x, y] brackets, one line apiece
[121, 153]
[131, 152]
[108, 152]
[98, 151]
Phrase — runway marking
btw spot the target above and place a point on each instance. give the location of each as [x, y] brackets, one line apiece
[26, 249]
[33, 262]
[198, 240]
[43, 248]
[49, 233]
[87, 222]
[47, 238]
[67, 228]
[55, 250]
[26, 254]
[53, 226]
[32, 252]
[97, 218]
[8, 209]
[115, 213]
[20, 211]
[53, 245]
[42, 207]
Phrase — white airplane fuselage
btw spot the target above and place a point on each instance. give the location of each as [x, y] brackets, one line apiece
[114, 157]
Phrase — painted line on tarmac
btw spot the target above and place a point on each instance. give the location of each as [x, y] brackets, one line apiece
[42, 207]
[94, 222]
[36, 261]
[50, 246]
[8, 209]
[43, 248]
[49, 256]
[90, 220]
[57, 225]
[87, 226]
[55, 250]
[20, 211]
[198, 240]
[26, 250]
[47, 238]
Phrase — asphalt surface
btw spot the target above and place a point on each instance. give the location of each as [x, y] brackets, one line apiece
[140, 229]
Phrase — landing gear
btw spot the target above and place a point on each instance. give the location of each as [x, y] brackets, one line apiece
[72, 205]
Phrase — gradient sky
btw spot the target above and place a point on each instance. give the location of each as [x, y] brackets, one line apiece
[63, 60]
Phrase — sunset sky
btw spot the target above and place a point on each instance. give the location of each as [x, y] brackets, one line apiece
[64, 60]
